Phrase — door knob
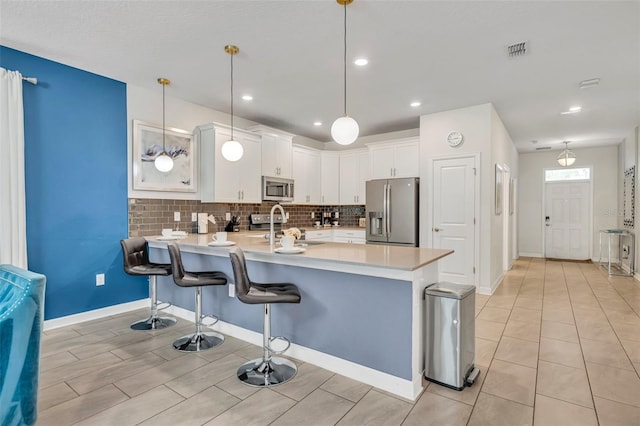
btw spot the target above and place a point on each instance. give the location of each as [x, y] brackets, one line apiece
[436, 230]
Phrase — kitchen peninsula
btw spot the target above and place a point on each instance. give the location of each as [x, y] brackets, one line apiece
[361, 313]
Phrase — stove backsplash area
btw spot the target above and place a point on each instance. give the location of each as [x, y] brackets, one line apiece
[149, 216]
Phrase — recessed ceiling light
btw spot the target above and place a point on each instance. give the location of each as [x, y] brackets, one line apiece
[247, 97]
[572, 110]
[361, 62]
[317, 123]
[415, 104]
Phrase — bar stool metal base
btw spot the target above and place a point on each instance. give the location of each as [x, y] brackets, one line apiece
[198, 343]
[153, 323]
[261, 373]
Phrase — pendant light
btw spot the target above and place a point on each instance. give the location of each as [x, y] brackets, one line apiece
[345, 129]
[566, 157]
[232, 149]
[163, 162]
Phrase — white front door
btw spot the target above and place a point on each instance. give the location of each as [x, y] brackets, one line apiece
[567, 220]
[454, 193]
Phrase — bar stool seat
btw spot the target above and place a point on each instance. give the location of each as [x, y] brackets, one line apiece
[135, 253]
[268, 370]
[199, 341]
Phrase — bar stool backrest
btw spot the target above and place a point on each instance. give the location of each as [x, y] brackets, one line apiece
[241, 277]
[176, 263]
[134, 253]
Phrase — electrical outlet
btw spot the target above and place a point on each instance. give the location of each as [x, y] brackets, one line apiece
[232, 290]
[176, 216]
[337, 215]
[99, 279]
[286, 215]
[227, 216]
[194, 217]
[313, 215]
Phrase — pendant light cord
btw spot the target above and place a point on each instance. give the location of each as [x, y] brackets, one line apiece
[231, 96]
[345, 59]
[163, 120]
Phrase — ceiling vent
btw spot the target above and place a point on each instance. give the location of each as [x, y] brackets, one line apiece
[517, 49]
[542, 148]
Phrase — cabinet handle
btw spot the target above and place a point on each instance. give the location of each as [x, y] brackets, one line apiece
[391, 171]
[238, 194]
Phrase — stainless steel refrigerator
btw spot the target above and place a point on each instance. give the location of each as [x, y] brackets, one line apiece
[392, 211]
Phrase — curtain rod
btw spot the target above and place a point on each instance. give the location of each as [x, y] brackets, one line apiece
[31, 80]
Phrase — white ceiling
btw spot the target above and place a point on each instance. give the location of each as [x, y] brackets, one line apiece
[446, 54]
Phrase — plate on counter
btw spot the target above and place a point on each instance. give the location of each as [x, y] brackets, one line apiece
[168, 238]
[221, 243]
[293, 250]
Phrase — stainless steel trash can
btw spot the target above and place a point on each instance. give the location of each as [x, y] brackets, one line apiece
[450, 334]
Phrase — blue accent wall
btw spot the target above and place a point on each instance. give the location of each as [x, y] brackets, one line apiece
[76, 184]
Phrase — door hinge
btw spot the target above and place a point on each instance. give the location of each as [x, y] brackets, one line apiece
[474, 220]
[474, 269]
[474, 171]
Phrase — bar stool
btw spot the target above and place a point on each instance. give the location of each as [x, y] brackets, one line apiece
[135, 253]
[268, 370]
[199, 341]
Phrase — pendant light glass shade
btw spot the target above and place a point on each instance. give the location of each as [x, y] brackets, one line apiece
[566, 157]
[345, 130]
[232, 149]
[163, 162]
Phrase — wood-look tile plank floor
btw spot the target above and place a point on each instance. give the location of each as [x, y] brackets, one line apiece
[558, 343]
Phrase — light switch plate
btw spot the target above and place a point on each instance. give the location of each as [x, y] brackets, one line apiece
[232, 290]
[176, 216]
[99, 279]
[194, 217]
[227, 216]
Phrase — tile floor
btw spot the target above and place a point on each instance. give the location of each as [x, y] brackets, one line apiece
[557, 344]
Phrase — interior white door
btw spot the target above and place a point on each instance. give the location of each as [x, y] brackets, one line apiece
[567, 220]
[453, 204]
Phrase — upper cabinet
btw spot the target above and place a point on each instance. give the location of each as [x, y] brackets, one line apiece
[354, 172]
[330, 177]
[227, 181]
[276, 151]
[306, 175]
[395, 159]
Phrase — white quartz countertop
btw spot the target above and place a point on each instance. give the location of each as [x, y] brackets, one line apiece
[315, 255]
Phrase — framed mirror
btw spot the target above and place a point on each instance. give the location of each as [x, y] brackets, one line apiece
[629, 197]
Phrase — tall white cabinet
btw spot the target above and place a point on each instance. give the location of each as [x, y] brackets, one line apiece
[227, 181]
[276, 151]
[395, 159]
[354, 172]
[306, 175]
[330, 177]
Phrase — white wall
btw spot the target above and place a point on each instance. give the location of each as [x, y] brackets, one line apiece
[485, 135]
[604, 163]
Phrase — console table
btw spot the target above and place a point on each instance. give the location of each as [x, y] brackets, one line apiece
[626, 250]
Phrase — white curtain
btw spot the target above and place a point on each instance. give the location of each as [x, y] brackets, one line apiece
[13, 229]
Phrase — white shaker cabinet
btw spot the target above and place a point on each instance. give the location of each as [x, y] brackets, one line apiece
[354, 172]
[227, 181]
[306, 175]
[330, 177]
[276, 151]
[395, 159]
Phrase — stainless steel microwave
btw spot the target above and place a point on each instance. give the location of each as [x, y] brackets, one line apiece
[277, 189]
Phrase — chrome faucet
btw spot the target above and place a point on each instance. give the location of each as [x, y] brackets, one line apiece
[271, 231]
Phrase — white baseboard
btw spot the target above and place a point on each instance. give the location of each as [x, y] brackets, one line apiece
[521, 254]
[395, 385]
[96, 314]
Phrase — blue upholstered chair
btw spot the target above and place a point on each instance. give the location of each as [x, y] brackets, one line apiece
[21, 318]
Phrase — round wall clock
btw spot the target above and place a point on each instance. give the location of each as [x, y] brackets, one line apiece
[454, 138]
